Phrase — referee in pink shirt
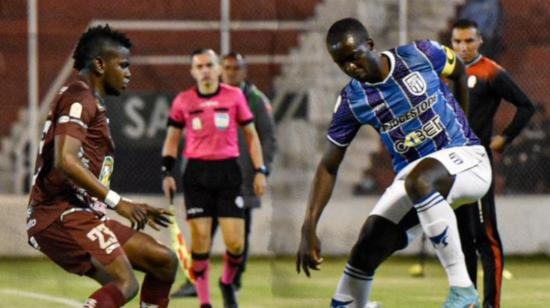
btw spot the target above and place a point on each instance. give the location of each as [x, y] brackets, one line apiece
[210, 113]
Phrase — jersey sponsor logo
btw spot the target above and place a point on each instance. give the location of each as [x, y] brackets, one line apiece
[194, 210]
[415, 83]
[76, 110]
[429, 130]
[106, 170]
[409, 115]
[209, 104]
[472, 81]
[105, 238]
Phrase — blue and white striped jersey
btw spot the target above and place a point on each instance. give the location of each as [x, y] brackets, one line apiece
[413, 110]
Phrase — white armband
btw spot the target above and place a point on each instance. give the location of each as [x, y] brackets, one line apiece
[112, 199]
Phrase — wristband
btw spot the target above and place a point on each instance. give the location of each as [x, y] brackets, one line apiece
[112, 199]
[167, 165]
[263, 170]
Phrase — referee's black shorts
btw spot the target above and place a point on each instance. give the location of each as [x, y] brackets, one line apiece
[212, 188]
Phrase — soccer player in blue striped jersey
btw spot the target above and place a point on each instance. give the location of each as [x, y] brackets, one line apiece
[438, 160]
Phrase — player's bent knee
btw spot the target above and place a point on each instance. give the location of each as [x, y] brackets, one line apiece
[417, 185]
[164, 264]
[128, 287]
[379, 238]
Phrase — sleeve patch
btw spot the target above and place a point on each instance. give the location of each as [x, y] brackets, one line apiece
[76, 110]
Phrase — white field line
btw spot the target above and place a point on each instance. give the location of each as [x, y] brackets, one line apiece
[40, 296]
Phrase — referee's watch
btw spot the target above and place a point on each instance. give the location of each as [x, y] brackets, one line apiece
[263, 170]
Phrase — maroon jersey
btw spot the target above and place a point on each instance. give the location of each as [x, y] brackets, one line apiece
[78, 113]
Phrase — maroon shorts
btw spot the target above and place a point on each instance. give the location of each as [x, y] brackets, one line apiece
[72, 241]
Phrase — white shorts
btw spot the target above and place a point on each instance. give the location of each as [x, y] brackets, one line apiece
[469, 164]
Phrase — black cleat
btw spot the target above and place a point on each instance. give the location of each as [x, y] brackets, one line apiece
[229, 295]
[206, 306]
[187, 289]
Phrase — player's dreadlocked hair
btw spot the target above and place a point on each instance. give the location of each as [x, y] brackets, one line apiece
[92, 43]
[346, 27]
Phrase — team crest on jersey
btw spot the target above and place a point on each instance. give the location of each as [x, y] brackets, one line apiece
[415, 83]
[472, 80]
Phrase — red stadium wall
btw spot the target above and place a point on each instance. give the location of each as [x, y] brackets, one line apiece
[61, 22]
[526, 41]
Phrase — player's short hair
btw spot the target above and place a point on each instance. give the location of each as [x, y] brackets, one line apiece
[464, 23]
[346, 27]
[200, 51]
[237, 56]
[93, 42]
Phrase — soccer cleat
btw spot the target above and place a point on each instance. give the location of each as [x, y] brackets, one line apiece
[334, 303]
[462, 298]
[206, 306]
[186, 290]
[229, 295]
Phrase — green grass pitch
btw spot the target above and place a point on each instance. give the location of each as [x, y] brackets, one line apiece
[274, 283]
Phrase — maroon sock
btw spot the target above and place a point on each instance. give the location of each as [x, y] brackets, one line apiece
[155, 292]
[231, 264]
[107, 297]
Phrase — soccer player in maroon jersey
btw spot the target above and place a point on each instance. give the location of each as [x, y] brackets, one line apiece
[66, 212]
[488, 84]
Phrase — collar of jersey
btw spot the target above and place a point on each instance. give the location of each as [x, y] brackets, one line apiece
[390, 73]
[474, 61]
[208, 95]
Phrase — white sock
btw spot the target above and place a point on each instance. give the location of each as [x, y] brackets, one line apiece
[438, 221]
[353, 289]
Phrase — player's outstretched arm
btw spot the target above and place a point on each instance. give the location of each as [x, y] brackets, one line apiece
[140, 214]
[67, 161]
[309, 251]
